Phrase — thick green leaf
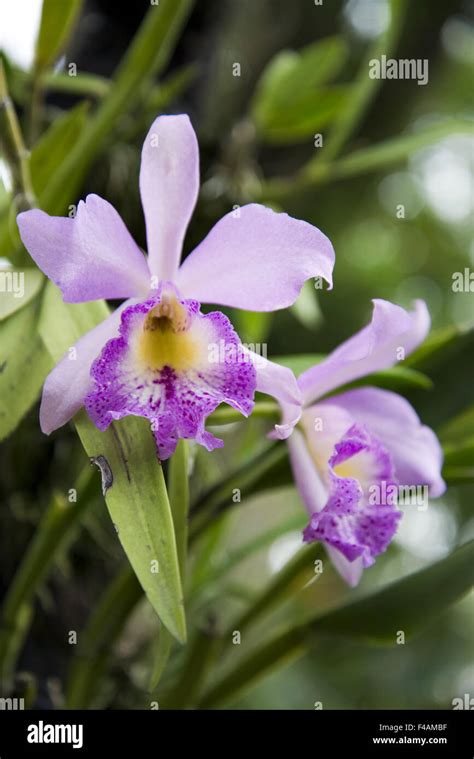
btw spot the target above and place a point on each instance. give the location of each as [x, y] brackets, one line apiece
[18, 287]
[55, 145]
[24, 365]
[139, 508]
[57, 20]
[136, 494]
[406, 605]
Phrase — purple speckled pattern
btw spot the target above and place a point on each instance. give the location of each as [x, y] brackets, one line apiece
[176, 402]
[349, 521]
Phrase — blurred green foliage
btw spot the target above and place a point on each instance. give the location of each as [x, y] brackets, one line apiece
[391, 185]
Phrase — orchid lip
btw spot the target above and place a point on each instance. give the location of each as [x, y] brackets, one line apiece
[159, 368]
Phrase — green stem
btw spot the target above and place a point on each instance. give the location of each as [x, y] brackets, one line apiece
[261, 410]
[235, 557]
[53, 535]
[285, 583]
[283, 649]
[407, 604]
[97, 639]
[178, 494]
[15, 152]
[35, 108]
[219, 497]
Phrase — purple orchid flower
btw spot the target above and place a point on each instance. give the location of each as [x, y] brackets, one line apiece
[152, 356]
[352, 451]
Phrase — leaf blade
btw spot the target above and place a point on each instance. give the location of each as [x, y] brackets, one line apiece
[137, 499]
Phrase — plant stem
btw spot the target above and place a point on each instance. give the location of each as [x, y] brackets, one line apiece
[219, 497]
[283, 649]
[284, 584]
[15, 152]
[261, 410]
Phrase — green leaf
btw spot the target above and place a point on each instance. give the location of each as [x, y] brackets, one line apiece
[408, 604]
[136, 498]
[55, 145]
[139, 508]
[24, 365]
[290, 73]
[57, 20]
[85, 84]
[290, 103]
[19, 287]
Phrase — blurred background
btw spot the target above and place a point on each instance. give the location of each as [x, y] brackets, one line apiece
[401, 228]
